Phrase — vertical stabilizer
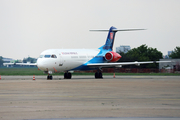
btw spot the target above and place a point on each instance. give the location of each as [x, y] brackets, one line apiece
[110, 39]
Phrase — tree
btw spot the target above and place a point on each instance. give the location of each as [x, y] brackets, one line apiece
[175, 53]
[142, 53]
[1, 61]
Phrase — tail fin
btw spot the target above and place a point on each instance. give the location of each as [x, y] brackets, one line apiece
[111, 35]
[110, 39]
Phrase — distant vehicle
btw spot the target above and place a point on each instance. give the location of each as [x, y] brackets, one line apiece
[67, 60]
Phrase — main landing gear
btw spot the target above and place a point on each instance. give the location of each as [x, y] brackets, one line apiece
[67, 75]
[98, 75]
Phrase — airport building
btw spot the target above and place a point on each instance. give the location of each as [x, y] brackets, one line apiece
[167, 56]
[7, 60]
[173, 65]
[169, 52]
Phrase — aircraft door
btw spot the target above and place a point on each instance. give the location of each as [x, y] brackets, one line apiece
[60, 60]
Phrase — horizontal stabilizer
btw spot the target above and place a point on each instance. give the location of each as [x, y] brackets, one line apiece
[115, 30]
[111, 36]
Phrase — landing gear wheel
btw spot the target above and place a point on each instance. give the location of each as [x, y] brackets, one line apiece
[98, 75]
[67, 75]
[49, 77]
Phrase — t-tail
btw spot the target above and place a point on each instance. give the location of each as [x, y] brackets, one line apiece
[110, 39]
[111, 36]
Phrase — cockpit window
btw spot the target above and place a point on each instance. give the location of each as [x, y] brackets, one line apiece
[53, 56]
[47, 56]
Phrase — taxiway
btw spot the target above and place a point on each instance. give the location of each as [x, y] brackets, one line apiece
[86, 97]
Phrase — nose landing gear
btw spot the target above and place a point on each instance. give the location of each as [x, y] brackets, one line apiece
[49, 77]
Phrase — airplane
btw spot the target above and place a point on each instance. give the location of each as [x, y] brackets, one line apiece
[68, 60]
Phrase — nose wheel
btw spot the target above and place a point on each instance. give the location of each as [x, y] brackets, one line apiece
[49, 77]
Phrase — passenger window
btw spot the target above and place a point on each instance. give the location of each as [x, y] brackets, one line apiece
[47, 56]
[53, 56]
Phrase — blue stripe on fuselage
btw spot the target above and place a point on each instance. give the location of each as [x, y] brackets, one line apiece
[99, 58]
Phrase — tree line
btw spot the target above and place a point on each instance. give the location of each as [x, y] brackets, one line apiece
[145, 53]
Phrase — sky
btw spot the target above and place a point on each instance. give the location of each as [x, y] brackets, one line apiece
[28, 27]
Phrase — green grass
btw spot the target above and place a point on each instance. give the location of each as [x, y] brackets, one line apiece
[20, 71]
[35, 71]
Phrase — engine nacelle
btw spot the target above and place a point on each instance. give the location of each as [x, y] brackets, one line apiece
[112, 56]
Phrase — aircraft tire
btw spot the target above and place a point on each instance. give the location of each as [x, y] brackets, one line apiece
[50, 77]
[67, 75]
[98, 75]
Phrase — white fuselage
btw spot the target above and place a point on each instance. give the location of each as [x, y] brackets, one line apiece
[57, 60]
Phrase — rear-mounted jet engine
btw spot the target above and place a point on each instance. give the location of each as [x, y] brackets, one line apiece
[112, 56]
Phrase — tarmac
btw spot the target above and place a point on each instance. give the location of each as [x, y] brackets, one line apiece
[83, 97]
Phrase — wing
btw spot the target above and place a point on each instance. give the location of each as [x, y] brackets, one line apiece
[120, 64]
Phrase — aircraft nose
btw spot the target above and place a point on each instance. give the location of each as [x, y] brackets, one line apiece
[41, 65]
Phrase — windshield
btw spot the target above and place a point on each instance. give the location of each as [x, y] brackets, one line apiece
[47, 56]
[53, 56]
